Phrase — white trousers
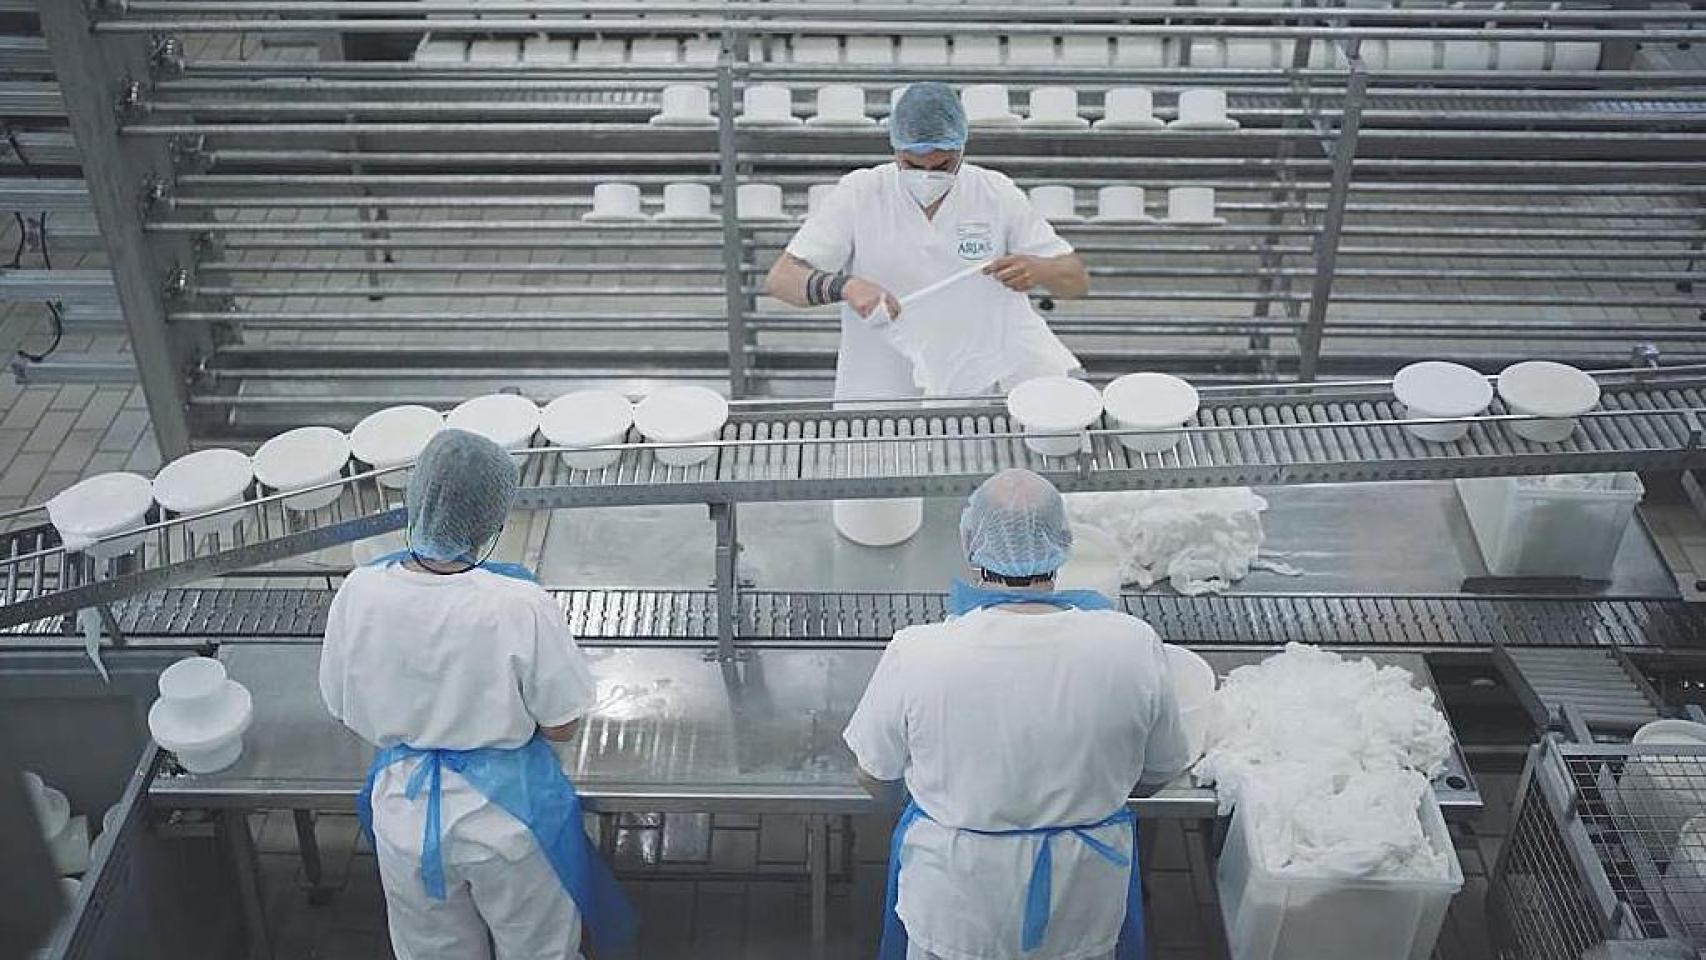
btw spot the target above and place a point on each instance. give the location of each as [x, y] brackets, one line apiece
[518, 906]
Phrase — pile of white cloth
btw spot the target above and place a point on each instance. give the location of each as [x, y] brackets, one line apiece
[1328, 760]
[1200, 541]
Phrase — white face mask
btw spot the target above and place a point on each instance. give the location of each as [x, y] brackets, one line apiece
[926, 186]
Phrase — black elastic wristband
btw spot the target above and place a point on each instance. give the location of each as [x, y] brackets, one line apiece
[837, 284]
[815, 288]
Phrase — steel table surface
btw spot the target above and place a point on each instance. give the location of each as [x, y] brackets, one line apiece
[672, 731]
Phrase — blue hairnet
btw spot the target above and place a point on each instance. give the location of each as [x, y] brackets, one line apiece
[459, 495]
[927, 117]
[1015, 525]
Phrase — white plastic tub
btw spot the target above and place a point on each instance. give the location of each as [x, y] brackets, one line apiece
[507, 419]
[1548, 527]
[878, 523]
[1271, 915]
[302, 458]
[1194, 684]
[201, 714]
[1056, 407]
[1156, 404]
[682, 415]
[203, 481]
[1541, 388]
[106, 505]
[52, 809]
[1661, 793]
[589, 418]
[1435, 389]
[392, 437]
[1093, 563]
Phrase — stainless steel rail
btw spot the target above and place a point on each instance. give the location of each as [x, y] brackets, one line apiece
[1242, 436]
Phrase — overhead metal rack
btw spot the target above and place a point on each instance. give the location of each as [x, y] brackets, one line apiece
[772, 451]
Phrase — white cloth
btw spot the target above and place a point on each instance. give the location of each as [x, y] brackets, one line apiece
[452, 662]
[520, 902]
[870, 227]
[1004, 720]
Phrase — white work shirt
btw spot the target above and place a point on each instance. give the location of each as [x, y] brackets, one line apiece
[870, 227]
[453, 662]
[1007, 720]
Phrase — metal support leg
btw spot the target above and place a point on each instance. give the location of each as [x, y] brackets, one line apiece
[817, 860]
[308, 848]
[734, 280]
[728, 578]
[239, 844]
[1333, 222]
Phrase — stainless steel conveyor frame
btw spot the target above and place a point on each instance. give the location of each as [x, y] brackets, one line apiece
[807, 450]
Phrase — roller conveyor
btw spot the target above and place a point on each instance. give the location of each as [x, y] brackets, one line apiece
[641, 617]
[772, 451]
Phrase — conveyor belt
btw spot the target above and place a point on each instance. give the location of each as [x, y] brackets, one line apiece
[1263, 435]
[630, 617]
[1596, 683]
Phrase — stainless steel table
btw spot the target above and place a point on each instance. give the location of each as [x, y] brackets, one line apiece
[672, 731]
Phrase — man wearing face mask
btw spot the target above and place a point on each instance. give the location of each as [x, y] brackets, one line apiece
[890, 230]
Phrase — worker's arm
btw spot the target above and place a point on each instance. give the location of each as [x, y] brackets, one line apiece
[562, 734]
[1064, 276]
[789, 279]
[889, 794]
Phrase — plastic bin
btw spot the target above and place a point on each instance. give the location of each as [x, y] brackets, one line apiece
[1271, 916]
[1526, 528]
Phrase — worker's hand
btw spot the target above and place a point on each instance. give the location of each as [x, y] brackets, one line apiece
[864, 297]
[1016, 271]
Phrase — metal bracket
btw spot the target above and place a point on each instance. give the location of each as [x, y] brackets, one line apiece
[156, 194]
[1692, 418]
[727, 564]
[189, 153]
[208, 246]
[166, 59]
[177, 285]
[128, 104]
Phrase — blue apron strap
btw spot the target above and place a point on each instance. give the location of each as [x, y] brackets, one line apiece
[963, 598]
[894, 941]
[514, 571]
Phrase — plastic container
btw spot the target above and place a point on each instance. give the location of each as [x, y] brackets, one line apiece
[1436, 389]
[201, 714]
[588, 418]
[878, 523]
[1194, 684]
[1150, 403]
[392, 437]
[1541, 388]
[70, 847]
[1661, 793]
[103, 506]
[507, 419]
[1532, 527]
[203, 481]
[1093, 563]
[682, 415]
[1284, 916]
[1685, 874]
[300, 458]
[1054, 405]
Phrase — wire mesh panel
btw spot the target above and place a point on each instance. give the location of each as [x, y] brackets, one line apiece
[1606, 843]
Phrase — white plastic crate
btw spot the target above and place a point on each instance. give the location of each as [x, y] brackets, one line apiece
[1526, 528]
[1271, 916]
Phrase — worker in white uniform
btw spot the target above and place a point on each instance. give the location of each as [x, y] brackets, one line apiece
[1020, 726]
[895, 229]
[460, 671]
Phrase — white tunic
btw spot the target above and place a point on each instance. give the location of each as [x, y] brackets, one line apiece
[1003, 720]
[454, 662]
[870, 227]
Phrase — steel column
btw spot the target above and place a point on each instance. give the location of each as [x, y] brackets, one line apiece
[1333, 220]
[96, 73]
[727, 578]
[734, 283]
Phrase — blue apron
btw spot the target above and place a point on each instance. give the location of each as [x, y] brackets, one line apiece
[1039, 890]
[528, 783]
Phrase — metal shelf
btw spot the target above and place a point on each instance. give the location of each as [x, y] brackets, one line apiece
[772, 451]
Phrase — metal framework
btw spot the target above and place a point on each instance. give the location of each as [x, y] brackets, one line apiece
[779, 450]
[338, 233]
